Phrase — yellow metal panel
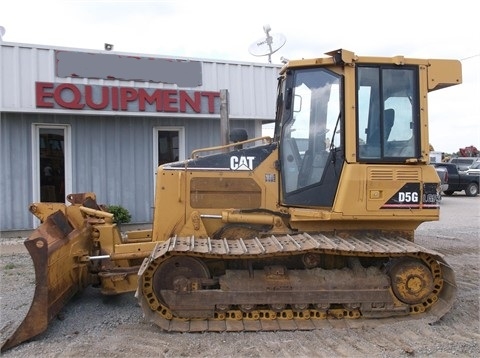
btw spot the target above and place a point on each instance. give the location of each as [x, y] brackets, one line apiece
[444, 73]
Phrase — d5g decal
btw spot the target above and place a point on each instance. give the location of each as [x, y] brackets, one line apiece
[411, 197]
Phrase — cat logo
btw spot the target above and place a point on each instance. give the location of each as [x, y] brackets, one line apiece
[241, 163]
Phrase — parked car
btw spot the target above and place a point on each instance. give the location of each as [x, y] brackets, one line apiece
[474, 168]
[463, 163]
[459, 181]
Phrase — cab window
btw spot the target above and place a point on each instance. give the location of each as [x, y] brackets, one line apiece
[387, 119]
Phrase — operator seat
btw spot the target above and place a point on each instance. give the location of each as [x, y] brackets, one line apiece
[388, 120]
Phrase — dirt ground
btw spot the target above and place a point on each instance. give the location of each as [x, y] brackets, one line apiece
[95, 326]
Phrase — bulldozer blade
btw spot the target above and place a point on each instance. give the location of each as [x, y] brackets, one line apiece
[56, 249]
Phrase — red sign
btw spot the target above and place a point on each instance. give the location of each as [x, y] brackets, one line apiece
[128, 99]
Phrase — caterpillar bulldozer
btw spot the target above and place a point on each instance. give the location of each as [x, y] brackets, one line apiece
[313, 224]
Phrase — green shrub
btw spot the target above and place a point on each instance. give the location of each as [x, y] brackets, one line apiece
[120, 214]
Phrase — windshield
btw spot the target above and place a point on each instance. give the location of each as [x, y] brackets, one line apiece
[475, 165]
[312, 129]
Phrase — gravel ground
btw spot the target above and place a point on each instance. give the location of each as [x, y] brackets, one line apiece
[97, 326]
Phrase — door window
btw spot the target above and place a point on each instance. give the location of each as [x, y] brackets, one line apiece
[168, 146]
[51, 168]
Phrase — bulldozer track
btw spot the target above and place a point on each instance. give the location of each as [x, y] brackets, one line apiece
[438, 302]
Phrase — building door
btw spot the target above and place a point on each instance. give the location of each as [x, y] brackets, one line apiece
[52, 168]
[169, 145]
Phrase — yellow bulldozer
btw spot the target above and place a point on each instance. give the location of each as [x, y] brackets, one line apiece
[284, 232]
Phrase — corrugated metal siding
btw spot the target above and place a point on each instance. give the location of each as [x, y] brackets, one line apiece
[111, 156]
[251, 86]
[15, 173]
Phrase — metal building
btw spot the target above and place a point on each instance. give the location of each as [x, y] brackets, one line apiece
[77, 120]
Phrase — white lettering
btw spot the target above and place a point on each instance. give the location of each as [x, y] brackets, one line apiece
[408, 197]
[241, 163]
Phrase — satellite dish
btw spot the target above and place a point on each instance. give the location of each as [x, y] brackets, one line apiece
[268, 45]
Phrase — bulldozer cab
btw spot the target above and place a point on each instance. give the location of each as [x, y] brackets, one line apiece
[348, 109]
